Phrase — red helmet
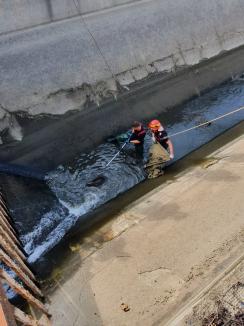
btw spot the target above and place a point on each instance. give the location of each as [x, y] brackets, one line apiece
[154, 124]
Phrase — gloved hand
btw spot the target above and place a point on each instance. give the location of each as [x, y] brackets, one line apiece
[171, 156]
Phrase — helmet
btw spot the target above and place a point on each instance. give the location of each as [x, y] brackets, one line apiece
[154, 124]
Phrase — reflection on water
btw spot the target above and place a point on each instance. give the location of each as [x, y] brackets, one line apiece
[73, 198]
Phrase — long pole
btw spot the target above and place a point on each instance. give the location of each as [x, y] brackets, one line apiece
[114, 157]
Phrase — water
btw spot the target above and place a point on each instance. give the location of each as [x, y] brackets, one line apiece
[68, 199]
[75, 199]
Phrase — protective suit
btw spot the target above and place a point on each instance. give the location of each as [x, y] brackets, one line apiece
[158, 156]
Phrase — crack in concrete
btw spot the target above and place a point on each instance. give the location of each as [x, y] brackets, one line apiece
[153, 270]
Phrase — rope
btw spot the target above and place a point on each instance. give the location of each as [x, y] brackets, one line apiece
[116, 80]
[96, 43]
[206, 122]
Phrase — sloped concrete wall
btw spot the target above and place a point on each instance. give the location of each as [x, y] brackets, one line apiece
[57, 67]
[20, 14]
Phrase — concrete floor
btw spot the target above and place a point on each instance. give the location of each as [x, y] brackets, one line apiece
[227, 292]
[160, 251]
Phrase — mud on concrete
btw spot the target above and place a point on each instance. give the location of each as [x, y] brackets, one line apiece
[154, 257]
[224, 303]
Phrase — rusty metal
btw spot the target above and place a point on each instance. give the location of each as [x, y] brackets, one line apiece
[6, 312]
[15, 255]
[4, 230]
[24, 318]
[13, 258]
[12, 245]
[5, 225]
[11, 264]
[3, 204]
[22, 291]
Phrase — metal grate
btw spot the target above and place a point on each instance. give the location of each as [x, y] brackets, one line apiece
[13, 267]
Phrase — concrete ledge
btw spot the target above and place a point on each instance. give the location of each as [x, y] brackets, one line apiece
[159, 250]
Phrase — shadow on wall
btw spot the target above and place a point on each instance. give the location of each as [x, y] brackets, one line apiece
[37, 12]
[50, 9]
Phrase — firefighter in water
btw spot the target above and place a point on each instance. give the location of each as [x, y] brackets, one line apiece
[137, 138]
[161, 151]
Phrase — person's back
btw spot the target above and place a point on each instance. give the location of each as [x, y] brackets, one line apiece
[137, 138]
[160, 135]
[161, 150]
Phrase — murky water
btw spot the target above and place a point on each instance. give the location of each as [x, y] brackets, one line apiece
[69, 199]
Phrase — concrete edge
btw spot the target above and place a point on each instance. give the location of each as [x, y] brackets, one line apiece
[182, 173]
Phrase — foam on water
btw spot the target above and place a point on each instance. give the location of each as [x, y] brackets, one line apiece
[76, 199]
[68, 182]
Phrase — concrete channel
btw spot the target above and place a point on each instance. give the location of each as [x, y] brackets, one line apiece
[64, 204]
[145, 263]
[73, 74]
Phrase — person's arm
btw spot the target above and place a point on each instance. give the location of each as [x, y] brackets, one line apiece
[164, 136]
[138, 138]
[171, 149]
[133, 138]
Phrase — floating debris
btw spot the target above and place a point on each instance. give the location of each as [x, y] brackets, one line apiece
[97, 182]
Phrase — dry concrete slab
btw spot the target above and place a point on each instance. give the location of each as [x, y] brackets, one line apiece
[160, 250]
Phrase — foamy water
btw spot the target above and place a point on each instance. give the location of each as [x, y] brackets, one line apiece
[76, 199]
[68, 182]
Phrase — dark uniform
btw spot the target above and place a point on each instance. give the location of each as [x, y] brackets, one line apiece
[162, 138]
[139, 135]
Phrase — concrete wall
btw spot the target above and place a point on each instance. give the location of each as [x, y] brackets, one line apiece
[19, 14]
[56, 67]
[61, 138]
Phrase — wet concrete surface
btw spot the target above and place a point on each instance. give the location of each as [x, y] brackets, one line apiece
[161, 250]
[44, 214]
[62, 255]
[68, 182]
[43, 223]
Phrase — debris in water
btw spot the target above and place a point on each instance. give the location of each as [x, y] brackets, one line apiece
[97, 182]
[205, 123]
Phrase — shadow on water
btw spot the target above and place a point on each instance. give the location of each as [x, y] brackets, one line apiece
[45, 212]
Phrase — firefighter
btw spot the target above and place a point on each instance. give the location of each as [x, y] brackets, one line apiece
[160, 152]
